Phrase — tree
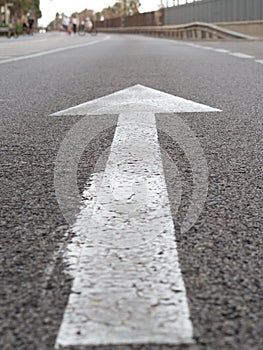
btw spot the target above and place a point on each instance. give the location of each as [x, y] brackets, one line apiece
[37, 8]
[133, 6]
[84, 14]
[121, 8]
[22, 7]
[112, 11]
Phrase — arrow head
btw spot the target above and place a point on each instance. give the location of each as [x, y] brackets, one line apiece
[137, 98]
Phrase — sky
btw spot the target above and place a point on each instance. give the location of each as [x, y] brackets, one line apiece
[49, 8]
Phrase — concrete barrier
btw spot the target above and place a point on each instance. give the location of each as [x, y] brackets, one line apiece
[191, 31]
[253, 28]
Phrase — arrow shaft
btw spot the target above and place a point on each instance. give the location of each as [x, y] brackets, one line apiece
[128, 286]
[132, 197]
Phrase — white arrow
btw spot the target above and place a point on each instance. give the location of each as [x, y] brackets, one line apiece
[137, 98]
[128, 286]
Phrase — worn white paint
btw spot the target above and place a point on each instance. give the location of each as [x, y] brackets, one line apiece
[240, 55]
[235, 54]
[128, 286]
[221, 50]
[137, 98]
[206, 47]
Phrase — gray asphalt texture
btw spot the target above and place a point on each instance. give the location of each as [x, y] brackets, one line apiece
[221, 256]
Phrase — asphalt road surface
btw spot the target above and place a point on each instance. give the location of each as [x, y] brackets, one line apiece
[220, 254]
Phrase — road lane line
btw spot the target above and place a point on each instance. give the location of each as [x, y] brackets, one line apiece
[240, 55]
[193, 45]
[134, 294]
[48, 52]
[221, 50]
[235, 54]
[206, 47]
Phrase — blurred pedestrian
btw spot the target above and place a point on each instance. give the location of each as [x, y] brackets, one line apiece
[88, 24]
[70, 26]
[65, 23]
[25, 28]
[82, 26]
[10, 30]
[31, 24]
[74, 25]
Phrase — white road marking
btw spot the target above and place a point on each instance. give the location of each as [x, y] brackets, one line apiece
[128, 286]
[221, 50]
[48, 52]
[133, 295]
[235, 54]
[206, 47]
[137, 98]
[240, 55]
[194, 45]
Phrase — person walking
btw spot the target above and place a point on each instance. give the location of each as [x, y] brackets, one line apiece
[10, 30]
[74, 25]
[31, 24]
[25, 28]
[66, 23]
[88, 24]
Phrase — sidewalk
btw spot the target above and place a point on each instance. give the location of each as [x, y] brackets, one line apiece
[39, 43]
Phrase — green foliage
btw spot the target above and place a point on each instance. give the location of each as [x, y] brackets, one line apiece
[23, 5]
[37, 7]
[19, 29]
